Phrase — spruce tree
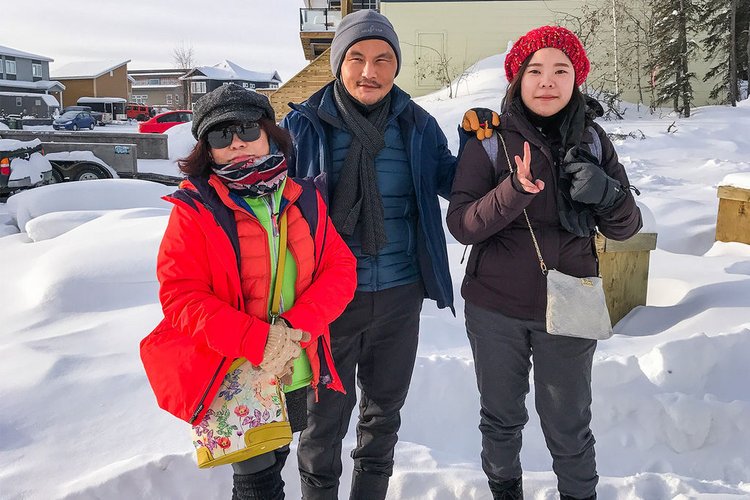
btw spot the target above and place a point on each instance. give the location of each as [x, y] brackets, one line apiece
[675, 23]
[720, 45]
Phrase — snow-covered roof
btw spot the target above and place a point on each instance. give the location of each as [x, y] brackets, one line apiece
[157, 72]
[155, 87]
[227, 71]
[38, 85]
[9, 51]
[87, 69]
[92, 100]
[47, 98]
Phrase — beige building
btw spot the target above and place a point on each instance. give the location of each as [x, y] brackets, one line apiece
[464, 32]
[161, 88]
[93, 79]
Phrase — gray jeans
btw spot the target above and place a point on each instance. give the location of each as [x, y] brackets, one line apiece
[503, 348]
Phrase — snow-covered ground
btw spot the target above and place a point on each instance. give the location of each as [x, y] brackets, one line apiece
[671, 394]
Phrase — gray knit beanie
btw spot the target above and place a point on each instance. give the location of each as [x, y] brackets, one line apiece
[229, 103]
[358, 26]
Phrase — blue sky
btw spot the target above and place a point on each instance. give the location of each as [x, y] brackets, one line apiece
[256, 34]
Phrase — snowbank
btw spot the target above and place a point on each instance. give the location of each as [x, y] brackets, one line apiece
[104, 194]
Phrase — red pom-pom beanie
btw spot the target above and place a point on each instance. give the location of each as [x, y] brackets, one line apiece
[548, 36]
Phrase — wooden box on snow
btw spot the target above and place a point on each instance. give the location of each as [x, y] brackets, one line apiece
[623, 266]
[733, 221]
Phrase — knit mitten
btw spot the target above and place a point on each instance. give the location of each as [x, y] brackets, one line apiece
[281, 347]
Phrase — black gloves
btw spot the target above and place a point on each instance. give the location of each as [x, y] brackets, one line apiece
[589, 183]
[480, 121]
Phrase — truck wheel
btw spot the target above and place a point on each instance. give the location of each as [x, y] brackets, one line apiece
[89, 172]
[57, 176]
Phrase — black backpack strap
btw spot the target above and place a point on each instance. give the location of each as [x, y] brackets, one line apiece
[223, 215]
[490, 145]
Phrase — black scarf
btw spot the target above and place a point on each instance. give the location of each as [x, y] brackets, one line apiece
[357, 197]
[564, 129]
[563, 132]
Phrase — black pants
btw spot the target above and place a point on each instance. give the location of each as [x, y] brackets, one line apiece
[503, 348]
[376, 336]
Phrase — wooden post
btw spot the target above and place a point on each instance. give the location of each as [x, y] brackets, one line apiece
[346, 8]
[623, 266]
[733, 219]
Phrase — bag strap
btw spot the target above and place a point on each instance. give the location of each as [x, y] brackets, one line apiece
[542, 265]
[276, 299]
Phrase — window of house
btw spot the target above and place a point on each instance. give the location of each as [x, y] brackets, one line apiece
[198, 87]
[177, 98]
[19, 102]
[169, 99]
[36, 69]
[153, 81]
[273, 85]
[10, 66]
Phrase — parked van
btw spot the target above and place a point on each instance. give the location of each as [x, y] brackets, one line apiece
[112, 108]
[140, 112]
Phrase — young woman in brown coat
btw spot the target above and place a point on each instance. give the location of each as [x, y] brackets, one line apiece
[571, 184]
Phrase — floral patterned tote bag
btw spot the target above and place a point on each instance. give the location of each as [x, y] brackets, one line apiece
[247, 418]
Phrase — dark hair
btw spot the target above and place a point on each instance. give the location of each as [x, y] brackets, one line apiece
[198, 162]
[514, 87]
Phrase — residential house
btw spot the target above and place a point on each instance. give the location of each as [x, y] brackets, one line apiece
[94, 79]
[161, 88]
[23, 76]
[439, 35]
[204, 79]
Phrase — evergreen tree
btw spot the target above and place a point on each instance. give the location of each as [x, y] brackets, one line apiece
[674, 25]
[721, 48]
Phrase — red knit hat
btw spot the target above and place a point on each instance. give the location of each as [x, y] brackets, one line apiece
[548, 36]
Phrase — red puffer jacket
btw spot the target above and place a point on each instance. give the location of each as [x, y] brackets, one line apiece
[206, 324]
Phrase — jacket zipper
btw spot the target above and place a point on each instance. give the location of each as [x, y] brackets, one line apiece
[205, 393]
[274, 251]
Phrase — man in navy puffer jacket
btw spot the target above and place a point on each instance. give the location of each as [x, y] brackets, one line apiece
[386, 161]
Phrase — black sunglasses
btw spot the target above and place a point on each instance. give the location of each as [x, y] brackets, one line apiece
[222, 137]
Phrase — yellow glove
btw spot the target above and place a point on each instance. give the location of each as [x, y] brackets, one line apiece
[481, 121]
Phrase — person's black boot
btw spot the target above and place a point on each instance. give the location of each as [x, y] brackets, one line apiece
[568, 497]
[511, 489]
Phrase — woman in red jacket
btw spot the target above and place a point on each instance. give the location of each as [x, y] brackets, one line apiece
[217, 268]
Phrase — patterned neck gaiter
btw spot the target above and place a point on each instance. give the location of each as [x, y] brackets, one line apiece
[256, 177]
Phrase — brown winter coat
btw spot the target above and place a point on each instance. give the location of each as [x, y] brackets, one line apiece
[486, 211]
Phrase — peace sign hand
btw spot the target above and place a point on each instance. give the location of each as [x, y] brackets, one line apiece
[523, 172]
